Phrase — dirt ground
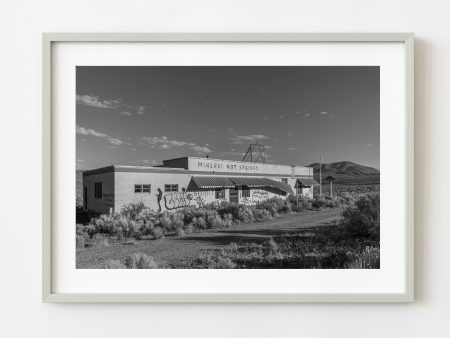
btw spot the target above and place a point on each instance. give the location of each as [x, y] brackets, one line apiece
[177, 251]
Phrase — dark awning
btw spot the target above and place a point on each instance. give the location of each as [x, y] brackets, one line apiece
[255, 182]
[307, 181]
[214, 182]
[208, 182]
[280, 185]
[252, 182]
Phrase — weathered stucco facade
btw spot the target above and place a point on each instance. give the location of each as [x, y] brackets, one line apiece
[192, 181]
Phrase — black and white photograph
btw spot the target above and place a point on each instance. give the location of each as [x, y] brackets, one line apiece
[228, 167]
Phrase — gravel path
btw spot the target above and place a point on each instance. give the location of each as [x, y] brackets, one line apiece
[176, 249]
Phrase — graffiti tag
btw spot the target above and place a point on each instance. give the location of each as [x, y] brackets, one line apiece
[259, 195]
[176, 200]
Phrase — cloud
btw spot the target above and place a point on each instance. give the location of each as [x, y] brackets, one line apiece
[202, 150]
[94, 101]
[307, 114]
[241, 139]
[92, 132]
[289, 134]
[126, 113]
[323, 113]
[164, 143]
[115, 141]
[141, 110]
[291, 148]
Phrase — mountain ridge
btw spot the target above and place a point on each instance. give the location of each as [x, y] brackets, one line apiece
[346, 172]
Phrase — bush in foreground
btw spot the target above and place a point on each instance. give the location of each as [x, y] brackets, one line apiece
[363, 219]
[135, 261]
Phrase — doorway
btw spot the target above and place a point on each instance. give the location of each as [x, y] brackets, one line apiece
[234, 195]
[85, 198]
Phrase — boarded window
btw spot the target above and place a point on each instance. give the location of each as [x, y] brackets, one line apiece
[245, 192]
[220, 193]
[142, 188]
[284, 180]
[98, 190]
[170, 187]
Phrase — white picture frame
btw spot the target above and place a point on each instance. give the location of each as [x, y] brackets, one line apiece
[48, 292]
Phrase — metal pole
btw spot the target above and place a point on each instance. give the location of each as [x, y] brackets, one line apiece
[320, 177]
[331, 188]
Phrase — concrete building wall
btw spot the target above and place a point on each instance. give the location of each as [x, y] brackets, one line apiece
[124, 189]
[105, 203]
[118, 189]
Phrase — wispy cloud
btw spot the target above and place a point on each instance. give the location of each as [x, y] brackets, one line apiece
[241, 139]
[92, 132]
[141, 110]
[94, 101]
[164, 143]
[291, 149]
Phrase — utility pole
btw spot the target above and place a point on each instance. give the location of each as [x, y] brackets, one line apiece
[320, 177]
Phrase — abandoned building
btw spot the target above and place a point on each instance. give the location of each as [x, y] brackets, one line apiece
[192, 181]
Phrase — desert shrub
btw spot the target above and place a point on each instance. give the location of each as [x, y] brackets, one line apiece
[367, 259]
[147, 228]
[132, 210]
[199, 223]
[346, 199]
[96, 240]
[319, 203]
[215, 222]
[157, 232]
[177, 220]
[213, 260]
[114, 264]
[180, 232]
[165, 223]
[146, 214]
[261, 215]
[82, 239]
[227, 220]
[275, 206]
[140, 261]
[227, 208]
[189, 229]
[245, 214]
[363, 219]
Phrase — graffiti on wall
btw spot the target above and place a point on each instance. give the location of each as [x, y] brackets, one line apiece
[256, 197]
[259, 195]
[199, 199]
[176, 200]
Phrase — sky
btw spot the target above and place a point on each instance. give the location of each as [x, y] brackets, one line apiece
[143, 115]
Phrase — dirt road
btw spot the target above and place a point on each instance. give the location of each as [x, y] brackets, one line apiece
[173, 250]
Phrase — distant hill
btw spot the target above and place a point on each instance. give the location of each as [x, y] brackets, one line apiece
[346, 172]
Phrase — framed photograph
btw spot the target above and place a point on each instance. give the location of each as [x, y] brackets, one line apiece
[228, 167]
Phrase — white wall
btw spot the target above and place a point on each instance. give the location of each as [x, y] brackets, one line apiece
[23, 315]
